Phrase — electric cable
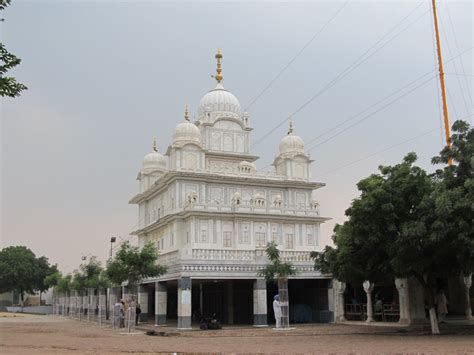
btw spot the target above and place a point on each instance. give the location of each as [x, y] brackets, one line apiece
[270, 83]
[360, 60]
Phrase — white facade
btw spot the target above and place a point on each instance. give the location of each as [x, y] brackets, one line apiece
[210, 212]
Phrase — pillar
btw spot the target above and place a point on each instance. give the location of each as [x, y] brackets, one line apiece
[368, 288]
[161, 299]
[92, 302]
[230, 302]
[102, 302]
[403, 302]
[184, 303]
[113, 298]
[143, 301]
[467, 281]
[260, 303]
[339, 288]
[85, 302]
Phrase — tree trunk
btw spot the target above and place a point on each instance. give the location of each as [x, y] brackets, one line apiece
[284, 302]
[427, 284]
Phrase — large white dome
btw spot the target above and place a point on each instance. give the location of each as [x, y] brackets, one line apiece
[187, 132]
[219, 100]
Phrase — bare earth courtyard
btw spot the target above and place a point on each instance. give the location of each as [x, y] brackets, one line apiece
[29, 334]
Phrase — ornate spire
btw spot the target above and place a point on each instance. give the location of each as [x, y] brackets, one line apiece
[154, 147]
[186, 113]
[290, 126]
[219, 76]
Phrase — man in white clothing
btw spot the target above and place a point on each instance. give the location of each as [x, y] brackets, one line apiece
[277, 310]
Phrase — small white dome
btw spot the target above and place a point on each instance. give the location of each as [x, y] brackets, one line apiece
[219, 100]
[154, 160]
[187, 132]
[291, 144]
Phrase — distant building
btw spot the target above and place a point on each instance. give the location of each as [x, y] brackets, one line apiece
[210, 213]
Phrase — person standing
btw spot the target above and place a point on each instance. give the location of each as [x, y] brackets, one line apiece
[277, 310]
[117, 316]
[138, 311]
[442, 305]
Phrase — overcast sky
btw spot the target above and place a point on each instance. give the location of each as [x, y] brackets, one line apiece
[106, 77]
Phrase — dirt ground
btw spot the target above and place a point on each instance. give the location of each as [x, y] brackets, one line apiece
[30, 334]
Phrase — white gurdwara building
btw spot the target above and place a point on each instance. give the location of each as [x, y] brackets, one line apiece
[210, 213]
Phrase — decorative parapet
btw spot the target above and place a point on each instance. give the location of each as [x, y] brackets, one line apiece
[249, 207]
[223, 254]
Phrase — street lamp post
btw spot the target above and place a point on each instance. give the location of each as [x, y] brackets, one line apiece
[112, 241]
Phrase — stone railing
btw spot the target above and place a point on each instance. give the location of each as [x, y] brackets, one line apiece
[223, 254]
[287, 255]
[270, 175]
[248, 208]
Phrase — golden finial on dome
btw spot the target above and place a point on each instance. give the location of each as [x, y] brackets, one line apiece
[290, 126]
[186, 113]
[219, 76]
[154, 147]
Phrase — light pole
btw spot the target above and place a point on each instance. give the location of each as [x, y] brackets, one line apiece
[112, 241]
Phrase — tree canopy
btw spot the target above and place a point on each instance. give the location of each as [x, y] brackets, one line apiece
[275, 269]
[22, 272]
[407, 223]
[133, 264]
[8, 85]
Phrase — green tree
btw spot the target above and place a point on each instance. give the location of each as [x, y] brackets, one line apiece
[419, 225]
[278, 271]
[52, 280]
[63, 284]
[381, 222]
[8, 85]
[42, 271]
[17, 270]
[22, 272]
[132, 264]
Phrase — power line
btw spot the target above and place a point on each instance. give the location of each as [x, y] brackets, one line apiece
[466, 75]
[385, 98]
[380, 101]
[457, 47]
[379, 152]
[270, 83]
[445, 34]
[367, 108]
[360, 60]
[373, 113]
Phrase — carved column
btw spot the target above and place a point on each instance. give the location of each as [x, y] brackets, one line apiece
[368, 288]
[467, 280]
[402, 288]
[184, 303]
[143, 301]
[339, 288]
[161, 295]
[260, 303]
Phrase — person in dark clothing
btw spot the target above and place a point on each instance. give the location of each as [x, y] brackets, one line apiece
[138, 310]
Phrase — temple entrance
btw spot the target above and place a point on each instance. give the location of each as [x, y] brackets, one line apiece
[309, 301]
[229, 301]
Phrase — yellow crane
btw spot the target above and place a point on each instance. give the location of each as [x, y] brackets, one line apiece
[441, 79]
